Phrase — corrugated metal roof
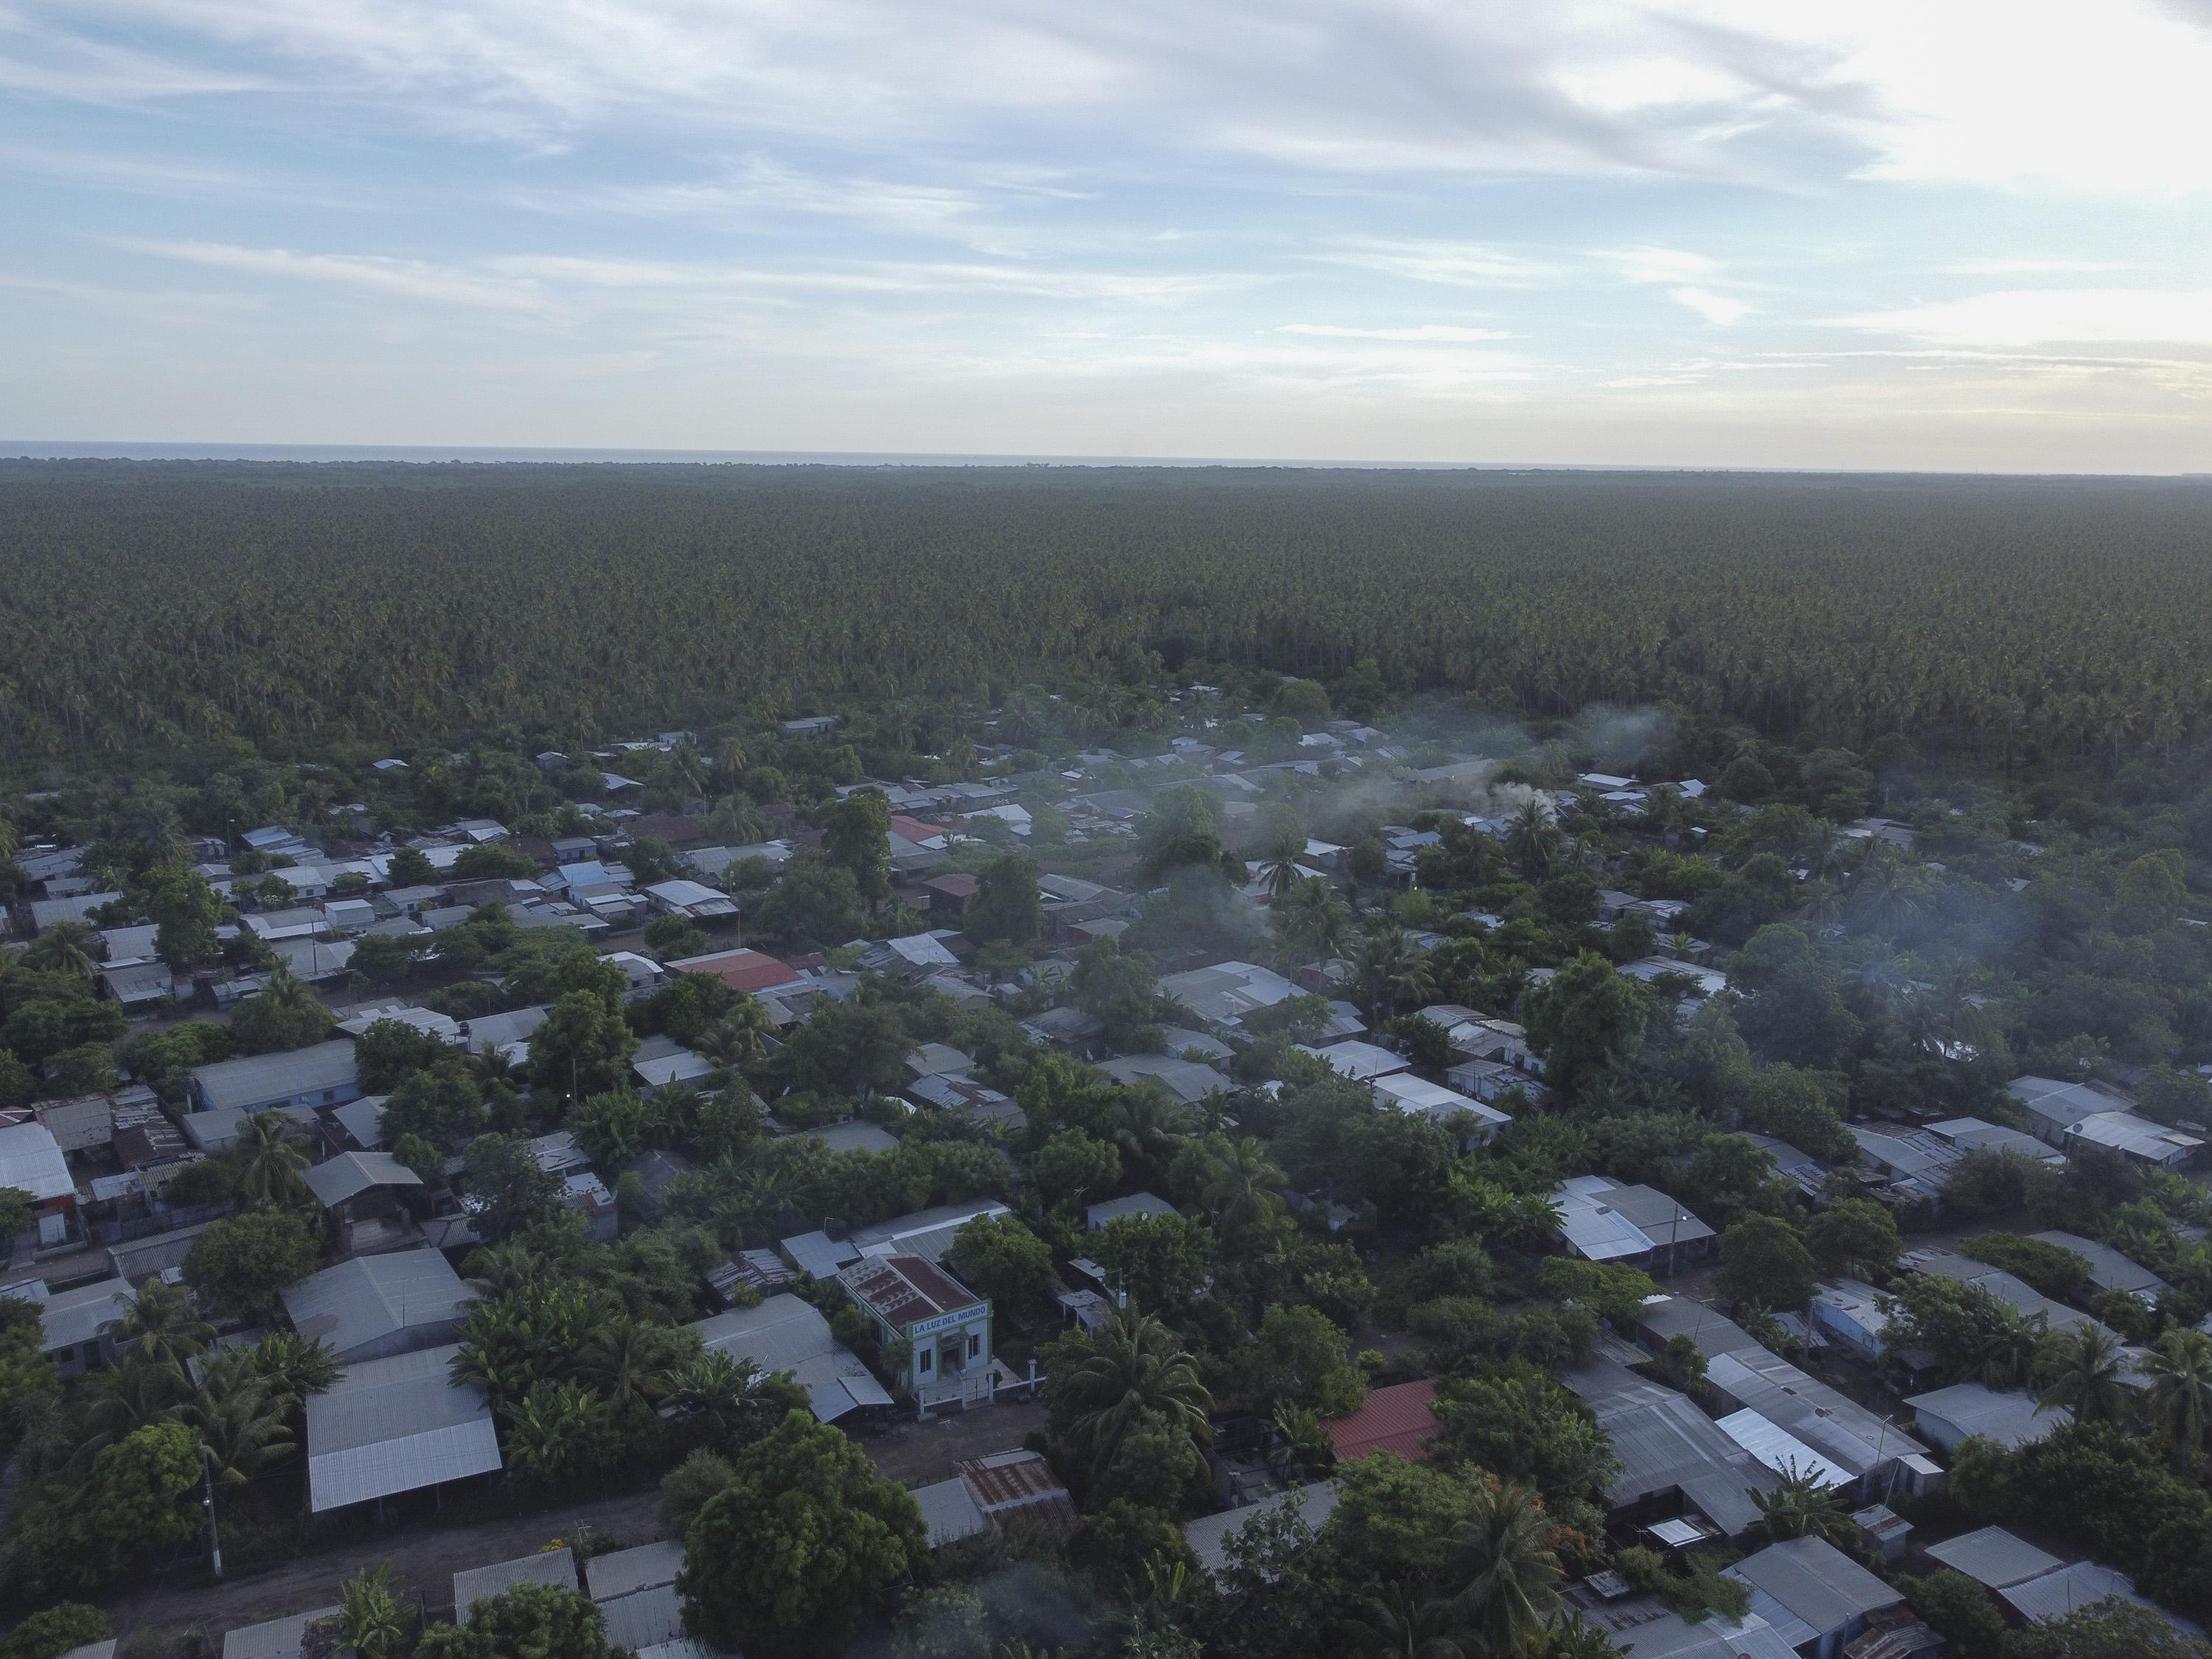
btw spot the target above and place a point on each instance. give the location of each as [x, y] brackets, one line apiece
[1665, 1444]
[31, 1161]
[784, 1334]
[901, 1290]
[1209, 1535]
[553, 1568]
[1838, 1427]
[1017, 1483]
[362, 1301]
[1595, 1230]
[1816, 1585]
[1783, 1452]
[350, 1175]
[644, 1618]
[277, 1640]
[2108, 1269]
[1994, 1557]
[393, 1425]
[818, 1255]
[2069, 1589]
[624, 1572]
[949, 1510]
[1113, 1209]
[260, 1078]
[67, 1318]
[2010, 1417]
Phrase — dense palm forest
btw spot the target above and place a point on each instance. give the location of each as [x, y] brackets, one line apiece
[144, 606]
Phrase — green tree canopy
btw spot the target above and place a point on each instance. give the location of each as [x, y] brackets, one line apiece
[805, 1538]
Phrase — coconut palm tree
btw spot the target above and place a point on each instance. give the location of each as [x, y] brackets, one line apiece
[632, 1365]
[1306, 1447]
[2180, 1370]
[1388, 968]
[287, 990]
[1134, 1367]
[1309, 921]
[296, 1368]
[239, 1421]
[736, 821]
[273, 1169]
[1402, 1622]
[1532, 838]
[1507, 1573]
[1279, 864]
[1149, 1125]
[1241, 1186]
[2010, 1347]
[1804, 1506]
[2082, 1370]
[740, 1036]
[64, 947]
[161, 1329]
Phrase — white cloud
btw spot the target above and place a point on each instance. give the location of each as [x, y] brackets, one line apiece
[2042, 317]
[2032, 267]
[1465, 265]
[1439, 331]
[1661, 265]
[1721, 308]
[406, 279]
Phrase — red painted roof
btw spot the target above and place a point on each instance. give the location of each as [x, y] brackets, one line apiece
[914, 828]
[742, 970]
[1400, 1420]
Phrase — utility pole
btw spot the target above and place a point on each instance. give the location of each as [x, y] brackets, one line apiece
[214, 1535]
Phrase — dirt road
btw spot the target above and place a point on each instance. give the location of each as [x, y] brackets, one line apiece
[422, 1560]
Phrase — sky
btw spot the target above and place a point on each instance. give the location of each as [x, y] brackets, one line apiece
[1937, 235]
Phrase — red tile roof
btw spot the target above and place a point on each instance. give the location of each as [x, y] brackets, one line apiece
[742, 970]
[1401, 1421]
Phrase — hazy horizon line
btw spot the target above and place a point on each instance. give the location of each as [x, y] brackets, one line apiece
[19, 449]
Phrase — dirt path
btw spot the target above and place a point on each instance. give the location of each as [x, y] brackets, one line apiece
[424, 1560]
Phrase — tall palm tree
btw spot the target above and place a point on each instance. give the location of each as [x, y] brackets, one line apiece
[1309, 921]
[64, 947]
[1402, 1622]
[1135, 1366]
[2010, 1347]
[630, 1364]
[2082, 1370]
[2180, 1370]
[161, 1329]
[1507, 1573]
[1279, 864]
[740, 1036]
[1387, 968]
[728, 1400]
[296, 1368]
[1532, 838]
[273, 1169]
[1241, 1187]
[1149, 1125]
[239, 1420]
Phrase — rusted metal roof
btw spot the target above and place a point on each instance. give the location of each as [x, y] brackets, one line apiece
[901, 1290]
